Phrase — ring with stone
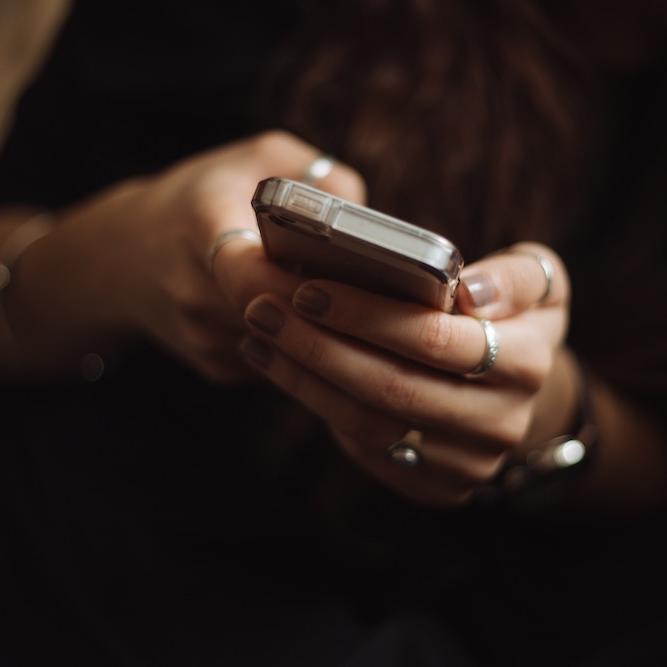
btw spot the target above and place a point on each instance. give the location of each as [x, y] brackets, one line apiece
[318, 169]
[405, 451]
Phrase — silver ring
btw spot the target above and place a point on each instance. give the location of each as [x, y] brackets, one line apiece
[546, 266]
[226, 237]
[318, 169]
[490, 351]
[405, 452]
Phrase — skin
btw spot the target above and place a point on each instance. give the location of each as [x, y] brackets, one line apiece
[371, 367]
[136, 258]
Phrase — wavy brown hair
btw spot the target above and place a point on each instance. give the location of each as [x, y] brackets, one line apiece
[477, 119]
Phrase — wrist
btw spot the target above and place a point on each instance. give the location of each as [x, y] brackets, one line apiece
[559, 448]
[558, 404]
[57, 306]
[19, 229]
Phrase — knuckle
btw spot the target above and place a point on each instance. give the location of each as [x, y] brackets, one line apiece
[532, 370]
[511, 431]
[397, 393]
[483, 470]
[561, 287]
[210, 207]
[314, 351]
[542, 366]
[204, 202]
[182, 296]
[436, 335]
[272, 141]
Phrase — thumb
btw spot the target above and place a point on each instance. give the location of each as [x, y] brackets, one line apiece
[507, 283]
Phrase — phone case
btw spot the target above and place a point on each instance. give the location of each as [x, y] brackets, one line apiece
[322, 236]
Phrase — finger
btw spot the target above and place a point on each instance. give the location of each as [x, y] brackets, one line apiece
[392, 385]
[280, 153]
[274, 153]
[462, 464]
[465, 464]
[504, 284]
[421, 485]
[242, 271]
[225, 180]
[370, 428]
[363, 433]
[222, 202]
[454, 343]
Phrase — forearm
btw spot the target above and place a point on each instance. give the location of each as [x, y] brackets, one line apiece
[11, 219]
[628, 467]
[54, 309]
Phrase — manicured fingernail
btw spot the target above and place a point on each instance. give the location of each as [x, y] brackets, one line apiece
[481, 288]
[256, 353]
[266, 316]
[311, 301]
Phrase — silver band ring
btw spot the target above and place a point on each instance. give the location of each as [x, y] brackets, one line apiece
[226, 237]
[546, 266]
[490, 350]
[405, 452]
[318, 169]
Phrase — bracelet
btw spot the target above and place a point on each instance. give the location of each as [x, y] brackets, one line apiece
[540, 477]
[18, 241]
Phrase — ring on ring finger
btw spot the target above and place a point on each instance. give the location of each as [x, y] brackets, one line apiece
[491, 349]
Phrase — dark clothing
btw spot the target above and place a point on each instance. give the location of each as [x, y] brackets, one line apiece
[155, 519]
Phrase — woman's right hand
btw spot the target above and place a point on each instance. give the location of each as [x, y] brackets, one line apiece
[134, 259]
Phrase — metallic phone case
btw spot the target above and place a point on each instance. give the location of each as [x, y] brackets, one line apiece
[322, 236]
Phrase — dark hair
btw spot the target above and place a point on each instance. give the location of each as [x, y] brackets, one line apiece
[476, 119]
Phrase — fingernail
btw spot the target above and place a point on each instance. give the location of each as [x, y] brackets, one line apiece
[481, 288]
[256, 353]
[266, 316]
[311, 301]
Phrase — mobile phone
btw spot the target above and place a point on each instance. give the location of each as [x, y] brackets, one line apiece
[322, 236]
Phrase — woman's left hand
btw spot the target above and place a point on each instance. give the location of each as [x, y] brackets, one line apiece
[374, 368]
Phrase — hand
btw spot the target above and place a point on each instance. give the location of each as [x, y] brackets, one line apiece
[374, 367]
[136, 258]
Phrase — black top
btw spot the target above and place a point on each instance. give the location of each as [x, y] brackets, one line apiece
[155, 519]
